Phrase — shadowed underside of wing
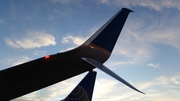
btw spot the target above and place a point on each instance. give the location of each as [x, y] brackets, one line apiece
[37, 74]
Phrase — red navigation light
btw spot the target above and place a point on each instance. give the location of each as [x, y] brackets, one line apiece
[47, 57]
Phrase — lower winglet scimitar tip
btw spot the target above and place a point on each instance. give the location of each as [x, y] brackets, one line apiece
[142, 92]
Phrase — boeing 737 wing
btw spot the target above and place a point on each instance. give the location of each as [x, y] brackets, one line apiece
[84, 90]
[34, 75]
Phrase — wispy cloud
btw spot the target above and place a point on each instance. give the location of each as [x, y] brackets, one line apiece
[138, 40]
[168, 36]
[153, 65]
[132, 46]
[21, 60]
[77, 40]
[152, 4]
[67, 49]
[101, 85]
[116, 63]
[12, 61]
[33, 39]
[1, 21]
[65, 12]
[39, 52]
[65, 1]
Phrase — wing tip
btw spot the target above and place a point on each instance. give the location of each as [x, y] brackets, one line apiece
[141, 92]
[128, 9]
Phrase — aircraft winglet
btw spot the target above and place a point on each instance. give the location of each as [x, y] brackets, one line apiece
[108, 34]
[109, 72]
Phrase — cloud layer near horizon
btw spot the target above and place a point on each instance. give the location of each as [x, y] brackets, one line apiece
[111, 89]
[152, 4]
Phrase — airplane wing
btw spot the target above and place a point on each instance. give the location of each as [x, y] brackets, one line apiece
[31, 76]
[37, 74]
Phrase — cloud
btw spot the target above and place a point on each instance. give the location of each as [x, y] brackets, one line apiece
[73, 39]
[133, 47]
[39, 52]
[65, 12]
[138, 41]
[29, 97]
[77, 40]
[1, 21]
[21, 60]
[176, 79]
[9, 42]
[168, 36]
[152, 4]
[67, 49]
[31, 40]
[12, 61]
[153, 65]
[65, 2]
[117, 63]
[168, 89]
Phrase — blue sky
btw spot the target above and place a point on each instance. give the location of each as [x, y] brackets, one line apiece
[147, 53]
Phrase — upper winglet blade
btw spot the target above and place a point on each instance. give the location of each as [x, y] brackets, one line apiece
[108, 34]
[109, 72]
